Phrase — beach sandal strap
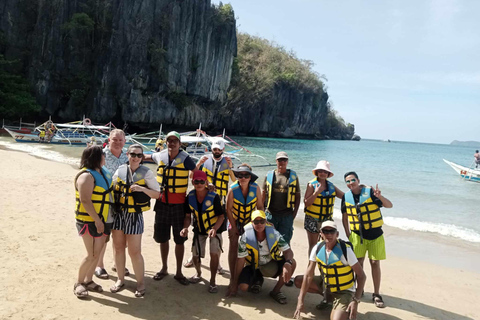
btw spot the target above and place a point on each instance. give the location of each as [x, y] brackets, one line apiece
[378, 300]
[279, 297]
[92, 286]
[83, 292]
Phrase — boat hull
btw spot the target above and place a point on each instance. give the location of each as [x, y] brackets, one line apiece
[466, 173]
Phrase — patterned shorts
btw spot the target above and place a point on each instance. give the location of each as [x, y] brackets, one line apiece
[311, 225]
[129, 222]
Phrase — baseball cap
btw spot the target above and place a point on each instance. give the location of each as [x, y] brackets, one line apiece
[200, 175]
[173, 134]
[281, 155]
[218, 145]
[258, 214]
[328, 223]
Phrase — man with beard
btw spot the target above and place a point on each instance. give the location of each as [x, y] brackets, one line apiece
[218, 169]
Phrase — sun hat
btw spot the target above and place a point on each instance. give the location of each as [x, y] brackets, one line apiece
[200, 175]
[173, 134]
[258, 214]
[243, 168]
[219, 144]
[323, 165]
[281, 155]
[328, 223]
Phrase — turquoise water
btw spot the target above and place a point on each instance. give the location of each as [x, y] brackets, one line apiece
[427, 195]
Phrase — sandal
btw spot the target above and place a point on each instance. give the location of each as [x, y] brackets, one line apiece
[82, 293]
[92, 286]
[127, 272]
[289, 283]
[279, 297]
[188, 263]
[139, 293]
[324, 304]
[160, 275]
[213, 289]
[101, 273]
[116, 288]
[221, 271]
[194, 279]
[378, 300]
[182, 280]
[255, 288]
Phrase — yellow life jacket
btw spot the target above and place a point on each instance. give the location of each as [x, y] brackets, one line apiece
[371, 217]
[101, 196]
[243, 208]
[292, 187]
[205, 216]
[174, 177]
[252, 244]
[220, 180]
[124, 197]
[42, 134]
[322, 208]
[336, 276]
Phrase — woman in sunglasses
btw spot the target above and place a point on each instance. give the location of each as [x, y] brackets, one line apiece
[319, 200]
[243, 198]
[134, 185]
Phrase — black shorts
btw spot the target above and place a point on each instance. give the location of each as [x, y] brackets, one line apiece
[168, 217]
[90, 229]
[251, 276]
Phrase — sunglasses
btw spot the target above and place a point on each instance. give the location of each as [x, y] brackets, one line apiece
[259, 221]
[282, 160]
[136, 155]
[243, 175]
[198, 181]
[350, 181]
[329, 231]
[322, 171]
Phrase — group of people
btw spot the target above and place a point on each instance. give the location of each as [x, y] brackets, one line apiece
[224, 198]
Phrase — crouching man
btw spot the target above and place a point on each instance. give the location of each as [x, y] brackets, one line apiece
[262, 252]
[338, 267]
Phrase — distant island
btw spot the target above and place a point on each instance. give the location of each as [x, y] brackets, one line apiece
[474, 144]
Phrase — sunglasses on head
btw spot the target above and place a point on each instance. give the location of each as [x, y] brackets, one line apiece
[243, 175]
[136, 155]
[198, 181]
[350, 181]
[329, 231]
[259, 221]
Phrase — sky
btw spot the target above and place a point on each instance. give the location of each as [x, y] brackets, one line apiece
[400, 70]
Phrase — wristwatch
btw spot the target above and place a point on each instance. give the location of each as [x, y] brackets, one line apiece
[289, 262]
[355, 299]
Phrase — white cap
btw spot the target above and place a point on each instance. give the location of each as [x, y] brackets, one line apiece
[218, 145]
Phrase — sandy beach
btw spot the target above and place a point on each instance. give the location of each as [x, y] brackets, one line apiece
[423, 277]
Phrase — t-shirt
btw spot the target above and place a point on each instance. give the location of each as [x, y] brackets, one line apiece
[350, 261]
[217, 208]
[278, 202]
[264, 256]
[370, 234]
[112, 162]
[174, 198]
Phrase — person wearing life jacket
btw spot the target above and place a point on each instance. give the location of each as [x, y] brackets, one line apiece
[262, 252]
[115, 156]
[134, 186]
[208, 216]
[281, 196]
[41, 135]
[219, 171]
[319, 201]
[93, 190]
[362, 220]
[338, 268]
[243, 198]
[172, 175]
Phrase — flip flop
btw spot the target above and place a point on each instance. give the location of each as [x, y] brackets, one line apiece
[101, 273]
[188, 263]
[159, 276]
[279, 297]
[378, 300]
[92, 286]
[255, 288]
[82, 293]
[289, 283]
[182, 280]
[221, 271]
[139, 293]
[194, 279]
[115, 288]
[213, 289]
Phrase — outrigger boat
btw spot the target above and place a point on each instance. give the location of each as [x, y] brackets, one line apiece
[469, 174]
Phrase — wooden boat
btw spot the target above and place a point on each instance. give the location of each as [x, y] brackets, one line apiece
[468, 174]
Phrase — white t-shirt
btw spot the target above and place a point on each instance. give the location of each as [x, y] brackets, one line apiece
[264, 256]
[352, 259]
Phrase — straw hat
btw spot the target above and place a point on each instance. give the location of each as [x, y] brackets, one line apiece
[323, 165]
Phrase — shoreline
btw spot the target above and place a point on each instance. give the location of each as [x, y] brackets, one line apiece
[41, 253]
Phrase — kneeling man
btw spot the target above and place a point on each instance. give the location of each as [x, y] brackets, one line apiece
[337, 264]
[262, 252]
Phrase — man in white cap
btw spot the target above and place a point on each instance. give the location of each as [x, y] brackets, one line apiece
[218, 167]
[338, 267]
[172, 175]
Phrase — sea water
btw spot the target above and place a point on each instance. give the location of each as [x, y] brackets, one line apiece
[427, 195]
